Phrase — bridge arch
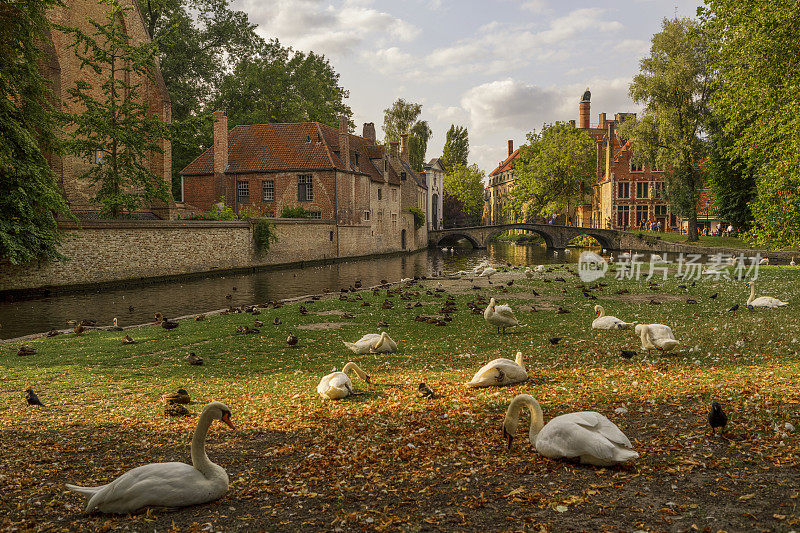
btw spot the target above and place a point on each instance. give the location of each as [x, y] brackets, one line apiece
[604, 241]
[548, 238]
[455, 236]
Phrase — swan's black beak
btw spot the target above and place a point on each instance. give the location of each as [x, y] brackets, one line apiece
[509, 437]
[226, 417]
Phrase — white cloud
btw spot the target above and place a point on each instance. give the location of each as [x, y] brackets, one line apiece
[535, 6]
[509, 104]
[638, 47]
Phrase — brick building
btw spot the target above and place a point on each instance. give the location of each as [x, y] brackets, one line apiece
[333, 174]
[62, 68]
[498, 190]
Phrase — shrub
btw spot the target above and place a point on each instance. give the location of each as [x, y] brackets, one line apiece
[295, 212]
[264, 234]
[419, 217]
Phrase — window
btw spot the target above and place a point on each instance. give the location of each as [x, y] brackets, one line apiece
[673, 220]
[403, 176]
[623, 213]
[623, 189]
[305, 189]
[243, 191]
[331, 236]
[659, 190]
[394, 195]
[268, 190]
[656, 167]
[641, 215]
[642, 189]
[366, 215]
[394, 221]
[355, 158]
[636, 167]
[661, 210]
[98, 157]
[315, 214]
[380, 193]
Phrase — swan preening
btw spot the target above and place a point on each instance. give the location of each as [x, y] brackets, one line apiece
[762, 301]
[586, 434]
[337, 385]
[500, 372]
[488, 272]
[608, 322]
[373, 343]
[500, 316]
[166, 484]
[656, 337]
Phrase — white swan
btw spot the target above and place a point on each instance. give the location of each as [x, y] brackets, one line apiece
[656, 337]
[792, 263]
[528, 272]
[500, 316]
[166, 484]
[539, 268]
[487, 272]
[611, 258]
[656, 258]
[373, 343]
[500, 372]
[763, 301]
[586, 434]
[337, 385]
[480, 266]
[764, 261]
[608, 322]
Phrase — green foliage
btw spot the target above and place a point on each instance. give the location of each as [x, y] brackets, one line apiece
[264, 234]
[674, 84]
[403, 117]
[456, 147]
[466, 184]
[29, 194]
[756, 103]
[419, 217]
[297, 211]
[119, 123]
[732, 183]
[555, 170]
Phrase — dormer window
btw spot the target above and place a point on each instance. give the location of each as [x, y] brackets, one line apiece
[355, 158]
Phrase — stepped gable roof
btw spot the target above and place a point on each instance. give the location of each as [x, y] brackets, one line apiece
[508, 164]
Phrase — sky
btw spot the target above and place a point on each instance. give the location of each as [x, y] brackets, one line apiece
[502, 68]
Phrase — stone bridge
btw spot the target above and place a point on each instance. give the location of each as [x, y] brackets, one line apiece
[555, 237]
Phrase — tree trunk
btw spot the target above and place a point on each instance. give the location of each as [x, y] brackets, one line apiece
[692, 230]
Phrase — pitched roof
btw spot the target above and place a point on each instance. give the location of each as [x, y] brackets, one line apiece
[413, 174]
[508, 164]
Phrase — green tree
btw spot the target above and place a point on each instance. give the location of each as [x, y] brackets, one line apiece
[731, 181]
[555, 170]
[466, 184]
[756, 51]
[456, 147]
[115, 126]
[403, 117]
[673, 85]
[29, 194]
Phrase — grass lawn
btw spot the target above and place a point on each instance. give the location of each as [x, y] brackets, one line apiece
[705, 240]
[389, 460]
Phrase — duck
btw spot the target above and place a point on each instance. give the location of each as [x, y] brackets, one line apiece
[656, 337]
[176, 397]
[488, 272]
[194, 359]
[26, 349]
[608, 322]
[166, 484]
[291, 340]
[127, 339]
[500, 372]
[500, 316]
[337, 385]
[165, 322]
[587, 435]
[373, 343]
[762, 301]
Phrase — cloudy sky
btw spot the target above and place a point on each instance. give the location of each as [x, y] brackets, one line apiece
[500, 67]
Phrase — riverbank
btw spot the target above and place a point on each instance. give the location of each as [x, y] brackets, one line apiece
[388, 459]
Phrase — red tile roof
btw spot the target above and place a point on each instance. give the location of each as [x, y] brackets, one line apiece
[508, 164]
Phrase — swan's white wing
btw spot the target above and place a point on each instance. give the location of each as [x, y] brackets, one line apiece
[504, 311]
[602, 425]
[660, 331]
[587, 434]
[499, 372]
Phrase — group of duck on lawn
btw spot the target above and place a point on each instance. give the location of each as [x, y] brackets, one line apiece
[587, 435]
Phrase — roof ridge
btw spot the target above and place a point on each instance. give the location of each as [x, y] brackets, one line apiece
[328, 151]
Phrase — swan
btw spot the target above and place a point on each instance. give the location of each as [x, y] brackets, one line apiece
[762, 301]
[500, 372]
[656, 258]
[528, 272]
[608, 322]
[792, 263]
[480, 266]
[611, 258]
[500, 316]
[656, 337]
[337, 385]
[166, 484]
[373, 343]
[539, 268]
[764, 261]
[586, 434]
[487, 272]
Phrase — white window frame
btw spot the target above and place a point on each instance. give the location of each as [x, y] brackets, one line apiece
[268, 186]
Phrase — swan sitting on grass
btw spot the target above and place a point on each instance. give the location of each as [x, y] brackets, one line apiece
[373, 343]
[656, 337]
[337, 385]
[763, 301]
[588, 435]
[500, 372]
[608, 322]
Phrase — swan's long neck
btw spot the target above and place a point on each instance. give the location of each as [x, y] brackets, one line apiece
[199, 458]
[752, 293]
[354, 367]
[645, 334]
[601, 311]
[379, 343]
[519, 361]
[537, 417]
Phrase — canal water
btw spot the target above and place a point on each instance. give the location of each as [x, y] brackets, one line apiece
[136, 304]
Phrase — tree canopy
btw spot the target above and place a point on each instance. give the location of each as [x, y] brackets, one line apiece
[403, 117]
[674, 84]
[29, 193]
[456, 147]
[466, 184]
[555, 169]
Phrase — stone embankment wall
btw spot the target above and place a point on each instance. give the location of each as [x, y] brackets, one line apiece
[648, 243]
[102, 252]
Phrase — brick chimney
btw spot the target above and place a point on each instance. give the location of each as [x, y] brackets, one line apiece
[393, 149]
[220, 142]
[369, 131]
[510, 146]
[344, 141]
[404, 147]
[601, 120]
[584, 109]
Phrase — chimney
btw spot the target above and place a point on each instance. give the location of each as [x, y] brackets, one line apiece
[609, 148]
[404, 147]
[344, 141]
[584, 109]
[220, 142]
[510, 146]
[393, 149]
[601, 121]
[369, 131]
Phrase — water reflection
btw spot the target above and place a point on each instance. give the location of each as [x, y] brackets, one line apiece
[134, 305]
